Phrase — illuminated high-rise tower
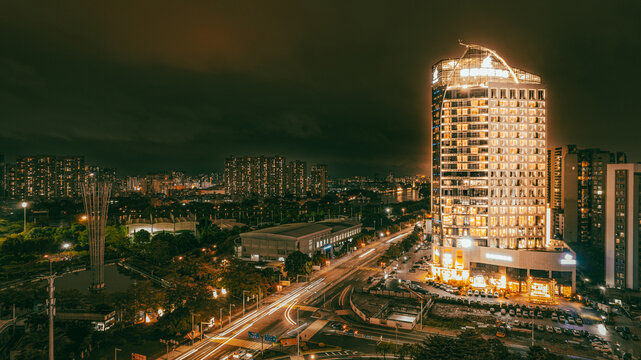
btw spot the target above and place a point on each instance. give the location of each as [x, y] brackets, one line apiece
[489, 160]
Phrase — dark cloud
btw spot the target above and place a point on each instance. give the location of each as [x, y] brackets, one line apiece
[153, 85]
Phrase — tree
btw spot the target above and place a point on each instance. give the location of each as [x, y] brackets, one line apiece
[298, 263]
[384, 348]
[539, 353]
[142, 237]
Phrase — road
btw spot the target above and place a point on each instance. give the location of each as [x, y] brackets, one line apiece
[278, 315]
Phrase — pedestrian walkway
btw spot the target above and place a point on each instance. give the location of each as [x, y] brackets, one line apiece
[312, 329]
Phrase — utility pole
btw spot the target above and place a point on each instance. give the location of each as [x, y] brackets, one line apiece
[192, 329]
[244, 301]
[221, 318]
[116, 353]
[51, 310]
[297, 333]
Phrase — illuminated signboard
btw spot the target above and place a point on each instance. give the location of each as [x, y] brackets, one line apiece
[568, 259]
[486, 69]
[435, 76]
[500, 257]
[485, 72]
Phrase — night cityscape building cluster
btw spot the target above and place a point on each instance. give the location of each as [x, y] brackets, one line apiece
[265, 176]
[197, 181]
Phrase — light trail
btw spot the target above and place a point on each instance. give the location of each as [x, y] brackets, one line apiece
[367, 252]
[226, 341]
[288, 317]
[251, 318]
[396, 237]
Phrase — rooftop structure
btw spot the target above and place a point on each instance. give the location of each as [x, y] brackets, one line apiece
[276, 243]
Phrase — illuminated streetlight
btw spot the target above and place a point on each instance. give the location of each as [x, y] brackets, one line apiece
[66, 246]
[24, 207]
[388, 210]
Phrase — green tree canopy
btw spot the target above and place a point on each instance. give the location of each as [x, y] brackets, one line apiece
[298, 263]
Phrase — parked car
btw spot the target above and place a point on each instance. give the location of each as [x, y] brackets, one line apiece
[576, 333]
[496, 294]
[512, 313]
[470, 293]
[562, 318]
[516, 323]
[579, 321]
[476, 293]
[558, 330]
[540, 327]
[549, 329]
[503, 311]
[571, 320]
[539, 315]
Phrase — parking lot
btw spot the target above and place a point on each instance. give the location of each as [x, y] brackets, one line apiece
[573, 323]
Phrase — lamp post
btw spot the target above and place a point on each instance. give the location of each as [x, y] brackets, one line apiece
[244, 291]
[24, 207]
[230, 305]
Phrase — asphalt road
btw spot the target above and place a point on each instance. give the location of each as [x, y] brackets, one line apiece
[277, 316]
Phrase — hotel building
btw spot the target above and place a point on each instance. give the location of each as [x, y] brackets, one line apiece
[489, 160]
[623, 226]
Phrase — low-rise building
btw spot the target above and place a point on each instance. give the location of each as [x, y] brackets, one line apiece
[276, 243]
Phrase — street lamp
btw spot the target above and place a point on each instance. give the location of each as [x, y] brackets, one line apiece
[66, 246]
[116, 353]
[24, 207]
[244, 291]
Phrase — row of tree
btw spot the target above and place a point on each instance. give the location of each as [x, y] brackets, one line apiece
[469, 345]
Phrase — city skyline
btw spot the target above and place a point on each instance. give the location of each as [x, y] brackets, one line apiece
[352, 94]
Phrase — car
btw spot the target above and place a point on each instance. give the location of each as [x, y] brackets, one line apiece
[412, 270]
[558, 330]
[562, 318]
[503, 311]
[496, 294]
[518, 311]
[470, 293]
[571, 320]
[576, 333]
[476, 293]
[516, 323]
[526, 313]
[579, 321]
[540, 327]
[634, 337]
[549, 329]
[567, 331]
[539, 315]
[239, 353]
[512, 313]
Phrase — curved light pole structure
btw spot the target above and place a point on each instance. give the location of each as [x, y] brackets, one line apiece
[95, 195]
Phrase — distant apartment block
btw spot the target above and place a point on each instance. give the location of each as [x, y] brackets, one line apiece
[576, 192]
[264, 176]
[45, 177]
[318, 180]
[623, 226]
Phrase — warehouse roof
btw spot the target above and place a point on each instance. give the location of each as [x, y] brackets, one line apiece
[293, 230]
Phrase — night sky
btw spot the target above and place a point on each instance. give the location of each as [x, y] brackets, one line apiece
[153, 85]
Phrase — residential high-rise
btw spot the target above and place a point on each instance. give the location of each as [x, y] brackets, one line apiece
[34, 178]
[576, 197]
[297, 178]
[260, 176]
[70, 174]
[489, 175]
[318, 183]
[43, 177]
[623, 226]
